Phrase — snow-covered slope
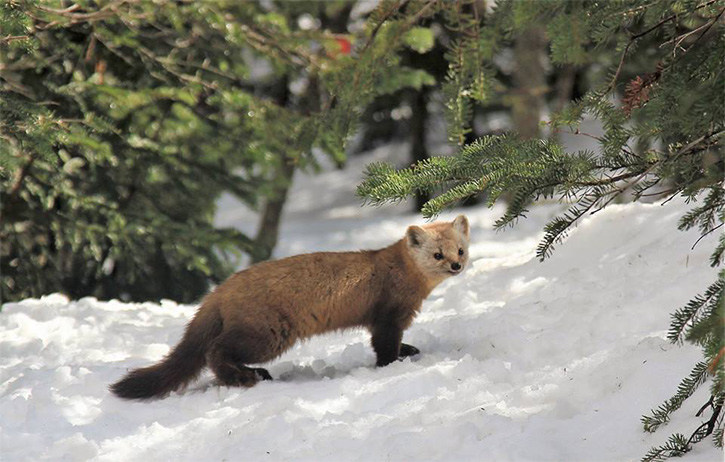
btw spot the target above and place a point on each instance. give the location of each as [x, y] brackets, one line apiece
[520, 360]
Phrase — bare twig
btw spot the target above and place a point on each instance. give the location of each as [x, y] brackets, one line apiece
[661, 193]
[578, 132]
[613, 82]
[11, 38]
[376, 29]
[709, 232]
[679, 153]
[70, 12]
[619, 191]
[680, 38]
[710, 424]
[170, 69]
[65, 11]
[417, 17]
[671, 197]
[668, 19]
[705, 406]
[639, 35]
[706, 28]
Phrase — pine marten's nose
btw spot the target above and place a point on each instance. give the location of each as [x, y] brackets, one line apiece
[455, 266]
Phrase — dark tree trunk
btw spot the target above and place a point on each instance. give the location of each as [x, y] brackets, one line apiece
[418, 101]
[529, 82]
[565, 82]
[268, 232]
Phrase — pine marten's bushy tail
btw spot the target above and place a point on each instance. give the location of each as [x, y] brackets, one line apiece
[180, 367]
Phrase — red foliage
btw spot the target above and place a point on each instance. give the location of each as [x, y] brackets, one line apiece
[636, 94]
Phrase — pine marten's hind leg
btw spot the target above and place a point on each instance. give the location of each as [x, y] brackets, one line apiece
[229, 354]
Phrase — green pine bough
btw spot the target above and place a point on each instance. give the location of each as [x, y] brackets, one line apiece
[530, 170]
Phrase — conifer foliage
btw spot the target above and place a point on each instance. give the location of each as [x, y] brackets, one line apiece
[664, 128]
[122, 121]
[109, 165]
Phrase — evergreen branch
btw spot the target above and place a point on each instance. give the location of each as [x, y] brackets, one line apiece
[639, 189]
[556, 229]
[452, 196]
[107, 11]
[19, 177]
[707, 26]
[679, 39]
[668, 19]
[685, 389]
[10, 202]
[688, 314]
[128, 60]
[386, 15]
[633, 38]
[413, 20]
[631, 11]
[676, 446]
[365, 69]
[178, 74]
[618, 191]
[705, 215]
[464, 82]
[165, 61]
[716, 257]
[707, 331]
[717, 437]
[266, 43]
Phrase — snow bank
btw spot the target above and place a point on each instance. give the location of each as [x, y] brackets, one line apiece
[520, 360]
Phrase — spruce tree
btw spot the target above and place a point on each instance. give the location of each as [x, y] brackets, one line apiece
[110, 165]
[662, 106]
[122, 122]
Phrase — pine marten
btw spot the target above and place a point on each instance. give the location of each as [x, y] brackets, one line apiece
[260, 312]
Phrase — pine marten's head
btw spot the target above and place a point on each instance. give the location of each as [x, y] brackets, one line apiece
[439, 249]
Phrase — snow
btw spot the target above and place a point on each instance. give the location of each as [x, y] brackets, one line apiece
[521, 360]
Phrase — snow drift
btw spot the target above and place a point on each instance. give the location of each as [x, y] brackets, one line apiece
[520, 360]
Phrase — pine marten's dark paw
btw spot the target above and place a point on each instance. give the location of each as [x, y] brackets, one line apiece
[263, 373]
[407, 350]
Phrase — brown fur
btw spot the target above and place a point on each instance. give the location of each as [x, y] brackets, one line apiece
[258, 313]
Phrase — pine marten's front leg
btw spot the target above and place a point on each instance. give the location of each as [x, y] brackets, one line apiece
[386, 342]
[407, 350]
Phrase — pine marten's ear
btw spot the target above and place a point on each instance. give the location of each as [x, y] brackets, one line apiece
[461, 224]
[416, 236]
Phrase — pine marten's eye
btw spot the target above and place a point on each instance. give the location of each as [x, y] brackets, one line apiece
[460, 251]
[438, 256]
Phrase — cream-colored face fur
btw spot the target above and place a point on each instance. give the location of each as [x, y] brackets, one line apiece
[440, 249]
